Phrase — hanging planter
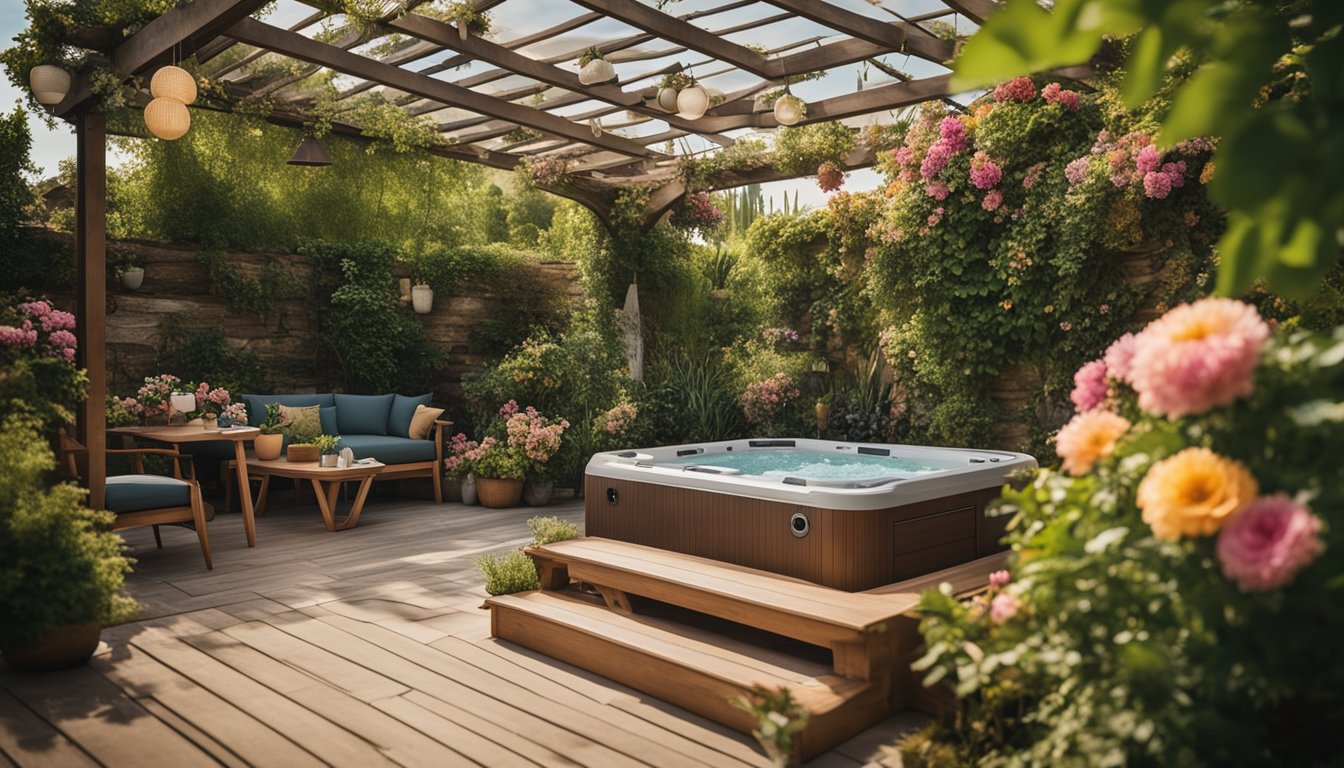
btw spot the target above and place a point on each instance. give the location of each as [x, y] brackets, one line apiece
[422, 299]
[468, 20]
[667, 99]
[692, 102]
[668, 87]
[132, 278]
[789, 109]
[49, 82]
[593, 69]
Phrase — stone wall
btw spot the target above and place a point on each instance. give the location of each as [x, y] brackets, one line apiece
[176, 292]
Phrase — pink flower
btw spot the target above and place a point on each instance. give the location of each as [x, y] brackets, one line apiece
[936, 160]
[953, 133]
[509, 408]
[1156, 185]
[1148, 160]
[993, 199]
[1088, 438]
[985, 173]
[1268, 543]
[1089, 386]
[1119, 356]
[1076, 171]
[17, 337]
[904, 155]
[1197, 356]
[1017, 89]
[1055, 94]
[1003, 607]
[999, 578]
[937, 190]
[1033, 175]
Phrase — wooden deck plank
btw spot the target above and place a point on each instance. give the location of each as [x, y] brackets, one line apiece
[27, 737]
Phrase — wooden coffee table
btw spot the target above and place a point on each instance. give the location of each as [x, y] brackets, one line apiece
[326, 483]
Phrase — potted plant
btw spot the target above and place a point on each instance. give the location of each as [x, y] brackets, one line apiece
[422, 297]
[326, 448]
[215, 403]
[538, 437]
[61, 567]
[594, 68]
[299, 453]
[500, 470]
[467, 19]
[272, 439]
[458, 466]
[132, 277]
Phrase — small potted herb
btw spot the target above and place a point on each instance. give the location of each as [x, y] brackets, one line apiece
[326, 447]
[272, 439]
[594, 69]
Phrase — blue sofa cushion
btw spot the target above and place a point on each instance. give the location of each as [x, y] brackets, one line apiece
[363, 414]
[403, 408]
[256, 404]
[329, 426]
[388, 449]
[132, 493]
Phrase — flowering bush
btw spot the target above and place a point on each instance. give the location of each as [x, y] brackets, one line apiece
[152, 400]
[696, 213]
[460, 449]
[1174, 590]
[535, 435]
[38, 377]
[219, 403]
[152, 397]
[764, 402]
[41, 329]
[521, 442]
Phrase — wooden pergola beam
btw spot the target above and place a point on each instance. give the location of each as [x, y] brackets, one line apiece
[975, 10]
[846, 21]
[297, 46]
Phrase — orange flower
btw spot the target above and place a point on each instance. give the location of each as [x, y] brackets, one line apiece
[1193, 493]
[1088, 437]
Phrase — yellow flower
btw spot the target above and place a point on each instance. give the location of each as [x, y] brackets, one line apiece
[1193, 493]
[1088, 437]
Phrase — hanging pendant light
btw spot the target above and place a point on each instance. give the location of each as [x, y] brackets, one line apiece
[310, 153]
[789, 109]
[49, 82]
[168, 119]
[692, 101]
[175, 83]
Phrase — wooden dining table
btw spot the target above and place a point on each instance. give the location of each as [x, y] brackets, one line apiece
[176, 436]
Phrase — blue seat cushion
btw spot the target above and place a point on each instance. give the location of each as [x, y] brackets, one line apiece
[388, 449]
[132, 493]
[403, 409]
[328, 416]
[363, 414]
[256, 404]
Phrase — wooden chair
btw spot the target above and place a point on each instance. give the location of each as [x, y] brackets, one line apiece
[142, 499]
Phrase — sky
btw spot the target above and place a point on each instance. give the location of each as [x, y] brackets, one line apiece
[51, 146]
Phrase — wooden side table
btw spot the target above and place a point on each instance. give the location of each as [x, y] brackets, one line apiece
[326, 484]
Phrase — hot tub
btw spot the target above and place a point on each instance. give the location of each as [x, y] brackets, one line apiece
[846, 515]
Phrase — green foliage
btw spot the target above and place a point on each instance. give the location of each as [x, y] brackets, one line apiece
[247, 294]
[700, 396]
[1123, 648]
[779, 717]
[59, 562]
[326, 444]
[547, 530]
[208, 356]
[800, 149]
[717, 169]
[15, 195]
[378, 346]
[272, 424]
[1266, 80]
[450, 271]
[508, 573]
[37, 383]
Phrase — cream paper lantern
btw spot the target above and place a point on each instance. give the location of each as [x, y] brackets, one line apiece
[692, 102]
[167, 119]
[788, 109]
[173, 83]
[50, 83]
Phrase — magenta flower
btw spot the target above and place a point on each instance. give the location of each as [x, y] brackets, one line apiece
[904, 155]
[936, 160]
[1089, 386]
[1156, 185]
[1268, 543]
[953, 133]
[1119, 356]
[1148, 160]
[937, 190]
[17, 337]
[993, 199]
[1003, 607]
[985, 173]
[1054, 93]
[1197, 357]
[1017, 89]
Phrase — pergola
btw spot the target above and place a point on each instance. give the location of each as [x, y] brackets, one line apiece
[521, 97]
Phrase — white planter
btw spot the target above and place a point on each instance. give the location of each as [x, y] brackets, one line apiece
[788, 109]
[469, 490]
[692, 102]
[422, 299]
[597, 71]
[133, 278]
[50, 83]
[667, 99]
[328, 460]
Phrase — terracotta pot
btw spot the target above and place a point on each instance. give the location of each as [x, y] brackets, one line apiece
[468, 490]
[537, 493]
[63, 647]
[268, 447]
[499, 493]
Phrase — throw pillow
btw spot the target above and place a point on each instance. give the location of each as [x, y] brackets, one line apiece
[363, 414]
[422, 423]
[301, 424]
[403, 408]
[329, 420]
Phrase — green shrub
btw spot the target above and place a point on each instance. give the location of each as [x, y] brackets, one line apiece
[207, 356]
[508, 573]
[546, 530]
[59, 562]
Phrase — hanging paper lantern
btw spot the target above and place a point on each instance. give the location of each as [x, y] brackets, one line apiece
[50, 83]
[167, 119]
[173, 83]
[788, 109]
[692, 102]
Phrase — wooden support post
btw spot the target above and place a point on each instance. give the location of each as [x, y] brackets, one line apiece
[91, 272]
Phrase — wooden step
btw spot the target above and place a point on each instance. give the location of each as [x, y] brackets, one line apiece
[965, 579]
[684, 667]
[786, 606]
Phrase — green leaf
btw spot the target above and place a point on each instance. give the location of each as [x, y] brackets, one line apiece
[1022, 38]
[1146, 63]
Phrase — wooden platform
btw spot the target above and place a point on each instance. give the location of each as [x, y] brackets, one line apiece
[367, 648]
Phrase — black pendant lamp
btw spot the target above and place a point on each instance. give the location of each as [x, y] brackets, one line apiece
[310, 153]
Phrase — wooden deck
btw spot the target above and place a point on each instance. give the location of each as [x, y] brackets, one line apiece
[363, 647]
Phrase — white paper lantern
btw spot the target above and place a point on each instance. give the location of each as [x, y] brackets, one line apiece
[173, 83]
[168, 119]
[667, 99]
[692, 102]
[50, 83]
[182, 402]
[788, 109]
[597, 71]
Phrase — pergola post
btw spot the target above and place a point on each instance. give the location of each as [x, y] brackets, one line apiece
[91, 278]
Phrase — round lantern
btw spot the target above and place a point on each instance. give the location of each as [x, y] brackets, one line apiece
[168, 119]
[788, 109]
[50, 83]
[597, 71]
[692, 102]
[667, 99]
[173, 83]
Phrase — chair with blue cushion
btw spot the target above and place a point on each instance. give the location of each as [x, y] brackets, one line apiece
[142, 499]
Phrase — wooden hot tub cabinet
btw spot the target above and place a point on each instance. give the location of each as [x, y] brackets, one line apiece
[851, 550]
